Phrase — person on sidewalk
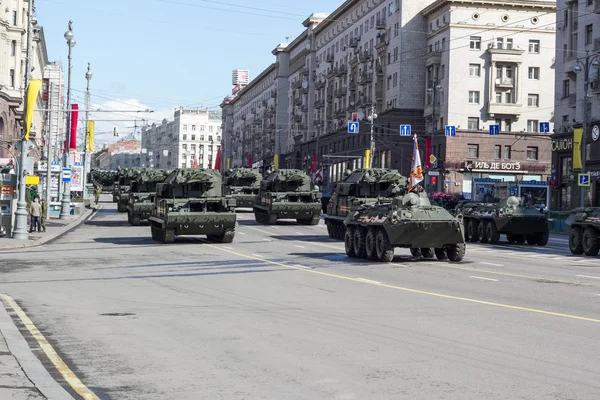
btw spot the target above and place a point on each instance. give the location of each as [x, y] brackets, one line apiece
[44, 214]
[98, 192]
[35, 210]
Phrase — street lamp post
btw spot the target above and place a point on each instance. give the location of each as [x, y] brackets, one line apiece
[590, 61]
[88, 77]
[65, 204]
[372, 118]
[433, 90]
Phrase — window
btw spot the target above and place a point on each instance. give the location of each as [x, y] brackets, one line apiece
[475, 70]
[533, 100]
[534, 46]
[497, 152]
[11, 78]
[500, 43]
[184, 147]
[210, 138]
[475, 43]
[509, 44]
[193, 128]
[473, 151]
[184, 136]
[507, 152]
[210, 128]
[13, 48]
[473, 97]
[566, 88]
[532, 153]
[14, 18]
[498, 97]
[185, 128]
[201, 128]
[589, 33]
[193, 137]
[507, 125]
[534, 73]
[532, 125]
[508, 97]
[202, 138]
[473, 123]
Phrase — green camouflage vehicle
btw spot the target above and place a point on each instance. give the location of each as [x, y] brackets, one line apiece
[584, 231]
[141, 195]
[362, 186]
[191, 202]
[485, 222]
[243, 184]
[288, 194]
[104, 179]
[123, 186]
[374, 230]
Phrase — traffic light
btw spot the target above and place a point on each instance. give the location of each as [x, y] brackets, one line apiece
[434, 180]
[115, 132]
[354, 117]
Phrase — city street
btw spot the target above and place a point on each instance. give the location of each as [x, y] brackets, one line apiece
[283, 313]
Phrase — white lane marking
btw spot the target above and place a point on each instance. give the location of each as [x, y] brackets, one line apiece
[275, 227]
[368, 280]
[588, 276]
[227, 247]
[597, 295]
[267, 240]
[484, 279]
[492, 264]
[256, 255]
[582, 260]
[301, 247]
[241, 233]
[302, 266]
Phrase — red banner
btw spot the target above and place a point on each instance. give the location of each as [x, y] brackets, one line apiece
[249, 161]
[314, 163]
[74, 117]
[427, 152]
[218, 159]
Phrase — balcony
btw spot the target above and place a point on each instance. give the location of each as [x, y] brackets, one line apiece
[365, 56]
[353, 43]
[297, 118]
[319, 104]
[320, 85]
[341, 70]
[366, 78]
[433, 58]
[329, 98]
[381, 24]
[341, 92]
[504, 109]
[352, 86]
[330, 58]
[573, 100]
[297, 84]
[504, 82]
[298, 101]
[304, 109]
[513, 55]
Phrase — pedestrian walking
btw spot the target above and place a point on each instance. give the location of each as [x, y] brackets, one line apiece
[35, 210]
[98, 192]
[44, 214]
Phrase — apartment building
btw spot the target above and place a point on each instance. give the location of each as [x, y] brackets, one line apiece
[122, 154]
[192, 138]
[577, 49]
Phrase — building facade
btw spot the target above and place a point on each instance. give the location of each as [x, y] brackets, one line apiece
[577, 103]
[192, 139]
[123, 154]
[53, 94]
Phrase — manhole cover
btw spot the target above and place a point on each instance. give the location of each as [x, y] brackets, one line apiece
[117, 314]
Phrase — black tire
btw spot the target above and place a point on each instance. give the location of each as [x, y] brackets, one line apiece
[257, 217]
[271, 219]
[349, 242]
[416, 252]
[441, 253]
[341, 231]
[121, 208]
[428, 252]
[359, 242]
[510, 238]
[136, 220]
[576, 240]
[370, 243]
[227, 236]
[542, 238]
[482, 232]
[473, 230]
[129, 217]
[456, 252]
[591, 247]
[330, 231]
[532, 239]
[519, 239]
[154, 230]
[169, 236]
[466, 231]
[492, 233]
[385, 250]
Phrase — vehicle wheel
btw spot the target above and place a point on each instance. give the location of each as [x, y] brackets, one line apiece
[314, 221]
[416, 252]
[385, 250]
[576, 240]
[428, 252]
[473, 230]
[370, 242]
[129, 217]
[441, 253]
[330, 231]
[257, 217]
[341, 231]
[271, 219]
[591, 247]
[531, 239]
[227, 236]
[121, 208]
[136, 221]
[359, 242]
[349, 242]
[456, 252]
[482, 232]
[466, 225]
[154, 231]
[169, 236]
[492, 233]
[542, 238]
[510, 238]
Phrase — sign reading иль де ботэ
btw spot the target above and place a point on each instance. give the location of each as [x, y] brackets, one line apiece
[492, 166]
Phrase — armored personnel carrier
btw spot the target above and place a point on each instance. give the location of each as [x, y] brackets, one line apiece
[410, 221]
[191, 202]
[362, 186]
[142, 194]
[243, 185]
[288, 194]
[485, 222]
[123, 186]
[105, 179]
[584, 231]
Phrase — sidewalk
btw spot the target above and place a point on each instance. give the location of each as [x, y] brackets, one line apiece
[14, 384]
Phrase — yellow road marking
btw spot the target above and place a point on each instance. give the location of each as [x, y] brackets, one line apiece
[60, 365]
[440, 295]
[300, 240]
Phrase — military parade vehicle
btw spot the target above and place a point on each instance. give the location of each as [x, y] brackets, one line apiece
[288, 194]
[142, 193]
[191, 202]
[123, 186]
[584, 231]
[362, 186]
[104, 179]
[243, 184]
[409, 221]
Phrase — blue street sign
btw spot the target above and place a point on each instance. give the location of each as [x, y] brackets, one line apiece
[450, 130]
[66, 175]
[544, 127]
[584, 179]
[404, 130]
[352, 127]
[494, 130]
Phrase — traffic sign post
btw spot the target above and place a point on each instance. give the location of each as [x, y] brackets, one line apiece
[353, 127]
[432, 159]
[405, 130]
[66, 175]
[494, 130]
[584, 180]
[544, 127]
[450, 130]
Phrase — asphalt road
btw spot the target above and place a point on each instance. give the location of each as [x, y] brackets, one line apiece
[282, 313]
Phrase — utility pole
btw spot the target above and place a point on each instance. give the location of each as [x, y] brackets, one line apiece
[88, 77]
[372, 118]
[65, 204]
[49, 150]
[20, 232]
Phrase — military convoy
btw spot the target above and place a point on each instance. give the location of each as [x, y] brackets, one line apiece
[584, 231]
[142, 194]
[288, 194]
[104, 179]
[243, 184]
[361, 186]
[123, 186]
[191, 202]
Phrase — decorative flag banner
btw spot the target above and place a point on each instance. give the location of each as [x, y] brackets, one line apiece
[218, 160]
[250, 161]
[32, 94]
[90, 141]
[195, 162]
[427, 152]
[73, 138]
[416, 172]
[577, 138]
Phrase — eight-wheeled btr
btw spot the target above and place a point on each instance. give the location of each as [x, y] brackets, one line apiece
[410, 221]
[584, 231]
[288, 194]
[141, 195]
[243, 185]
[191, 202]
[362, 186]
[123, 186]
[485, 222]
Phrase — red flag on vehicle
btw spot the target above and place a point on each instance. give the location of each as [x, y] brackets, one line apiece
[218, 159]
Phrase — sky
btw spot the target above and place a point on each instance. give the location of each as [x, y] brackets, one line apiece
[162, 54]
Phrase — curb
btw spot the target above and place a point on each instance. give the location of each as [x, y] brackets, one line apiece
[89, 213]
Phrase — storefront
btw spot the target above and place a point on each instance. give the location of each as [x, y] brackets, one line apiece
[562, 176]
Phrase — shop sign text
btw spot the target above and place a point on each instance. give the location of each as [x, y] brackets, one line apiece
[493, 166]
[562, 144]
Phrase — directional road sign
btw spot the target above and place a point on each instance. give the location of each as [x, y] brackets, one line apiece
[544, 127]
[352, 127]
[66, 175]
[494, 130]
[450, 130]
[584, 179]
[404, 130]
